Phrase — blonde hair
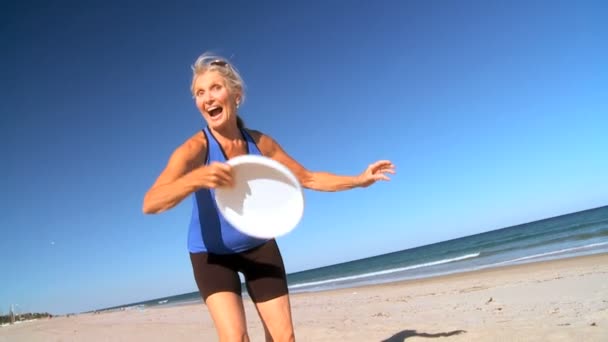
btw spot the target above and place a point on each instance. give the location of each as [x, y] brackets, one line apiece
[210, 62]
[234, 82]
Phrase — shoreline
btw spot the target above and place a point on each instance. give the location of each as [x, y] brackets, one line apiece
[347, 288]
[481, 272]
[554, 300]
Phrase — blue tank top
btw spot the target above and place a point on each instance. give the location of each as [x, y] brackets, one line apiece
[208, 230]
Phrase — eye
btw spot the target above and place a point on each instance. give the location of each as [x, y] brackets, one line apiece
[199, 93]
[216, 87]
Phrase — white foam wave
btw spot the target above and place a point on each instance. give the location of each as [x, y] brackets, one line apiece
[389, 271]
[561, 251]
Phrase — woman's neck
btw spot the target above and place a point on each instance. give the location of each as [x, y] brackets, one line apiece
[229, 133]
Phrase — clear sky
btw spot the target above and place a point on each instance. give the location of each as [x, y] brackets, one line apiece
[495, 113]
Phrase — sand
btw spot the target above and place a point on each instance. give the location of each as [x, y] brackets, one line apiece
[564, 300]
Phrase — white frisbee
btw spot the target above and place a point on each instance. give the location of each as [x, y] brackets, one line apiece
[266, 199]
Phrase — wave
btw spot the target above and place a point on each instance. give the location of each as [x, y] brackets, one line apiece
[445, 261]
[557, 239]
[561, 251]
[383, 272]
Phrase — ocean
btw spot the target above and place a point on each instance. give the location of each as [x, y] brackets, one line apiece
[576, 234]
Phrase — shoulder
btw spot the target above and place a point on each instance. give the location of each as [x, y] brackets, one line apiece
[193, 148]
[265, 143]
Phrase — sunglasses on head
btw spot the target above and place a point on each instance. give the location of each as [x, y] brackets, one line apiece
[219, 62]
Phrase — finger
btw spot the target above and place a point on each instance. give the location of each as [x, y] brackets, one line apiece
[381, 177]
[384, 162]
[225, 177]
[223, 172]
[217, 180]
[387, 169]
[383, 170]
[218, 177]
[381, 164]
[223, 167]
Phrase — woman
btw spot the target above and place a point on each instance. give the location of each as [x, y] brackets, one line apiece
[218, 251]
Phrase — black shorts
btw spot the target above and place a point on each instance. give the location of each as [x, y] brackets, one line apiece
[261, 266]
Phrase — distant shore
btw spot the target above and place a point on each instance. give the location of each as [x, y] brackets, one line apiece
[559, 300]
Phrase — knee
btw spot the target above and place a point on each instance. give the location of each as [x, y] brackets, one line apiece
[289, 337]
[283, 336]
[234, 336]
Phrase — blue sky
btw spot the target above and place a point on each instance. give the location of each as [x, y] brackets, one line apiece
[494, 113]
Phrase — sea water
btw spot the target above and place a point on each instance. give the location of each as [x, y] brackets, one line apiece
[577, 234]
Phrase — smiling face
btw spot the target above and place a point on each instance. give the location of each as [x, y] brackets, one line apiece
[215, 99]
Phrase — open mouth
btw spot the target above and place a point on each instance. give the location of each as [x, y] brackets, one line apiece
[215, 111]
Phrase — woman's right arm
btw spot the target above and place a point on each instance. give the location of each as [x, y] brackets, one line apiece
[183, 175]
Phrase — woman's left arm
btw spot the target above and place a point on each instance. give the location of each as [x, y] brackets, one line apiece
[319, 180]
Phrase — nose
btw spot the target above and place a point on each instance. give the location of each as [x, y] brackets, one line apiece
[208, 99]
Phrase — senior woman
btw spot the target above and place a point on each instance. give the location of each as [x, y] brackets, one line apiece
[218, 251]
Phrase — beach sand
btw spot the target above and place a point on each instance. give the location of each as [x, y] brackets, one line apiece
[563, 300]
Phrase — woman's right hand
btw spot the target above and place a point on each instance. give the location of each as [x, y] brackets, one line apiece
[214, 175]
[184, 174]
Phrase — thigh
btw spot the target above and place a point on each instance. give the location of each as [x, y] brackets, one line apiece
[215, 273]
[266, 283]
[228, 314]
[220, 287]
[264, 272]
[276, 316]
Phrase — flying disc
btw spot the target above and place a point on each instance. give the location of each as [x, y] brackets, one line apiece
[266, 199]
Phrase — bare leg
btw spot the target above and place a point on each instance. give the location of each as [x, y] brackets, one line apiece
[276, 316]
[228, 314]
[267, 336]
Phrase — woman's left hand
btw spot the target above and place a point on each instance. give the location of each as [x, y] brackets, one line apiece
[375, 172]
